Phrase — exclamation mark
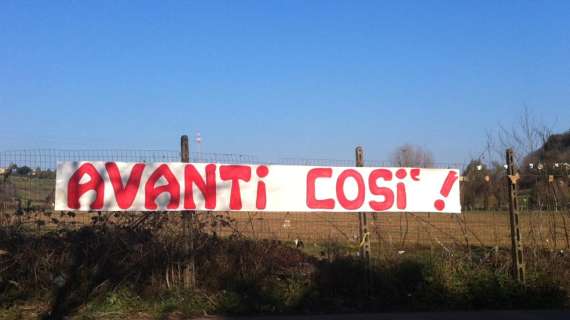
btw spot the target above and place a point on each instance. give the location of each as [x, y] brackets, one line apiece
[445, 189]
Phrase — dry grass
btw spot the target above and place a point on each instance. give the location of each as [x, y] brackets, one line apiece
[490, 229]
[397, 230]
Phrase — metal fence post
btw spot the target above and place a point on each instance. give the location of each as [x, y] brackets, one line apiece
[516, 239]
[189, 275]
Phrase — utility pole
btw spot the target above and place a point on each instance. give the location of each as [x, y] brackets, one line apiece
[518, 268]
[189, 271]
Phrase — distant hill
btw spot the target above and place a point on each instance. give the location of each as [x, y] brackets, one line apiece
[548, 185]
[555, 150]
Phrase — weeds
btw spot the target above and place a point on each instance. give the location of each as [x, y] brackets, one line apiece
[113, 272]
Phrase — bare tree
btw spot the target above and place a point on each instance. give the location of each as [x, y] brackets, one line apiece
[412, 156]
[539, 154]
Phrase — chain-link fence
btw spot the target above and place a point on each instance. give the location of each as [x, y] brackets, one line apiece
[27, 184]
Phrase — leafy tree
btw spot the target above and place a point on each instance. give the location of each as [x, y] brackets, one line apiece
[476, 187]
[23, 171]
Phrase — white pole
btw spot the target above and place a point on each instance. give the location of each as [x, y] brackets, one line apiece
[198, 144]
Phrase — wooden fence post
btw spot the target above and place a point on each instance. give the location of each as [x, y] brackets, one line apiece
[518, 267]
[189, 270]
[364, 234]
[363, 231]
[362, 219]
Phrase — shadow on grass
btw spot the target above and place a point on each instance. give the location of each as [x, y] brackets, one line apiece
[124, 270]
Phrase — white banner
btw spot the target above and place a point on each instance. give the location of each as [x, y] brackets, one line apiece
[119, 186]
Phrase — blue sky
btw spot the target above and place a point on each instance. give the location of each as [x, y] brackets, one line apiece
[277, 79]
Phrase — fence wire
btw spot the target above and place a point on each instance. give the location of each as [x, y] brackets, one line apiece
[27, 180]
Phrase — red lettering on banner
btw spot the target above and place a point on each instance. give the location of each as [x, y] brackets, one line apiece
[190, 186]
[75, 189]
[208, 187]
[401, 201]
[125, 195]
[344, 202]
[415, 173]
[235, 173]
[387, 193]
[445, 189]
[172, 187]
[261, 200]
[401, 173]
[312, 201]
